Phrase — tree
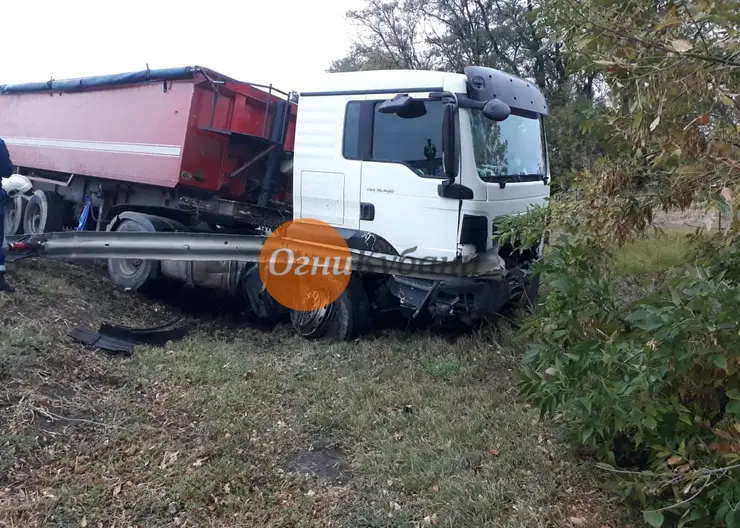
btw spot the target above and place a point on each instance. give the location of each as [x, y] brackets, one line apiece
[451, 34]
[660, 374]
[673, 73]
[391, 36]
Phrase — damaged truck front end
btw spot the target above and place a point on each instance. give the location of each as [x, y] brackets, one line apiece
[509, 283]
[495, 164]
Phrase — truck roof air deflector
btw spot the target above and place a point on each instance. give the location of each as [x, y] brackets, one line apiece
[485, 84]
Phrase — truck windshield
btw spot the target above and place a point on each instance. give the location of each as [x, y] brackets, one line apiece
[511, 150]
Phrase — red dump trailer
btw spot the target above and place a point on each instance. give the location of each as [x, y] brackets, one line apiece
[203, 146]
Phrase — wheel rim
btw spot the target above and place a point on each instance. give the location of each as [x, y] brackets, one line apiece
[311, 322]
[36, 222]
[130, 267]
[11, 217]
[34, 219]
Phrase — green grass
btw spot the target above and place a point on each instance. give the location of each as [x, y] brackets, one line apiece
[238, 427]
[648, 256]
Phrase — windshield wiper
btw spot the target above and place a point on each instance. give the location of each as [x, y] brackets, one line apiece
[514, 177]
[502, 180]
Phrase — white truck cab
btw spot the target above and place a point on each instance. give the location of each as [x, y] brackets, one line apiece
[426, 183]
[419, 164]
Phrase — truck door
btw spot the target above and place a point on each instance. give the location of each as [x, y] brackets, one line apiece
[328, 178]
[401, 170]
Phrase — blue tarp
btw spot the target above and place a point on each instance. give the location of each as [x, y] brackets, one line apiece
[103, 81]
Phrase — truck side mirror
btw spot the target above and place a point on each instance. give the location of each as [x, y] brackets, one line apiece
[404, 106]
[450, 142]
[496, 110]
[396, 105]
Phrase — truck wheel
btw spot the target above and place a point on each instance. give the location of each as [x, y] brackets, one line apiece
[132, 274]
[44, 213]
[526, 298]
[531, 294]
[14, 210]
[343, 320]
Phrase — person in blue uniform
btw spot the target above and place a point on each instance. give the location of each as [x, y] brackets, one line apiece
[6, 170]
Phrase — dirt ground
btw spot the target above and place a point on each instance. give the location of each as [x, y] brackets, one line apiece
[237, 426]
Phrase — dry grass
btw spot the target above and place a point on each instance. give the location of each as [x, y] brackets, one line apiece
[239, 427]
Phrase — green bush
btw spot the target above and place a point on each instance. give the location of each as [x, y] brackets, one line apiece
[643, 370]
[651, 386]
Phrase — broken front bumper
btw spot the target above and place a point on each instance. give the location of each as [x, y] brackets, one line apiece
[462, 298]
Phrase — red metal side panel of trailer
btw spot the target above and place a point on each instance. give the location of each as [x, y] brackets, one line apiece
[132, 133]
[187, 127]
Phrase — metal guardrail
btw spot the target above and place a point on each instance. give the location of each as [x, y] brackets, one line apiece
[145, 246]
[242, 248]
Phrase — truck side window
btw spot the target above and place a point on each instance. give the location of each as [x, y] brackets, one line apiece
[414, 141]
[351, 146]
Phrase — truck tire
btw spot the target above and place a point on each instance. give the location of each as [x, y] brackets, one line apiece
[14, 210]
[343, 320]
[526, 298]
[531, 295]
[132, 274]
[44, 213]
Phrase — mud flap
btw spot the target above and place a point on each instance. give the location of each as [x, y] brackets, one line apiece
[261, 303]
